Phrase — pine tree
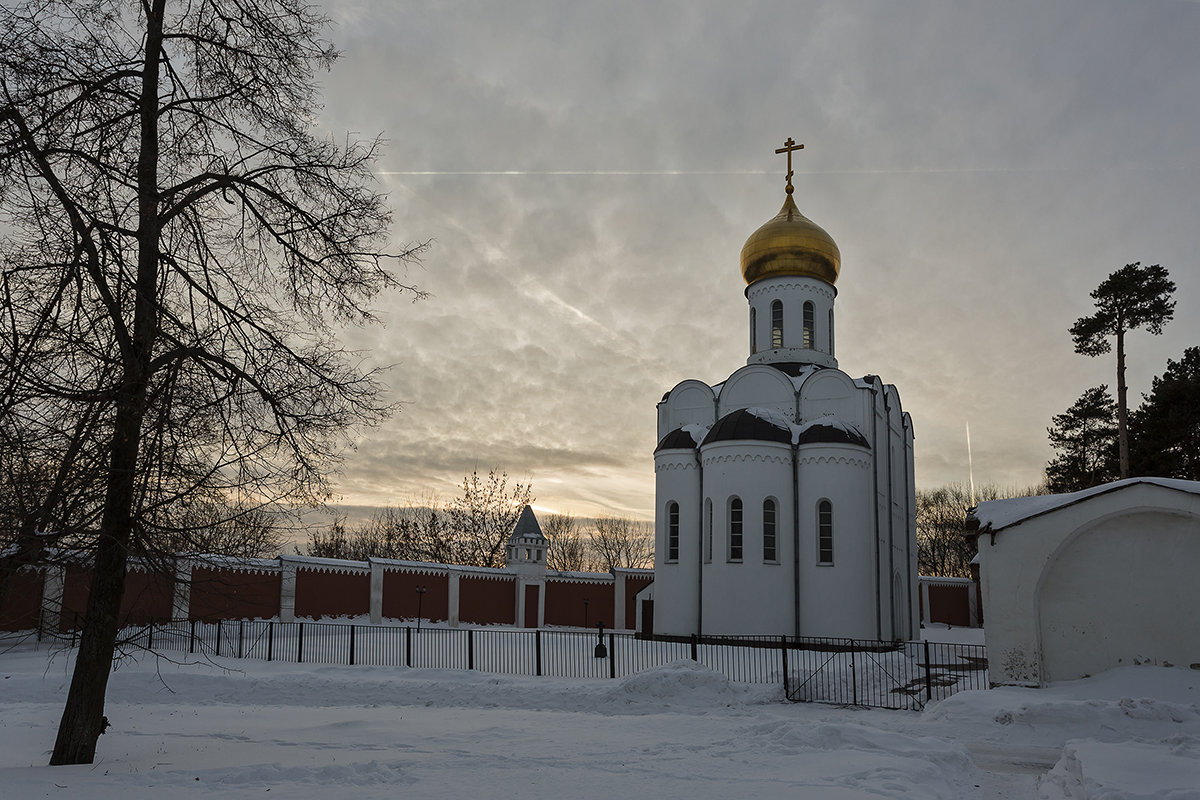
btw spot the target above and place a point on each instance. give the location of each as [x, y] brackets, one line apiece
[1085, 437]
[1132, 297]
[1165, 431]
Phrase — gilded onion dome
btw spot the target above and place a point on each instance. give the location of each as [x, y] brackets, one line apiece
[793, 245]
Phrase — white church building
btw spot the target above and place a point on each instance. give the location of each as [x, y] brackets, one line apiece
[784, 493]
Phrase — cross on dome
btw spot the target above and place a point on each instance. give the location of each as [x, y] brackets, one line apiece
[788, 147]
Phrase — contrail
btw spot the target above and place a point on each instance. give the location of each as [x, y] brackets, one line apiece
[669, 172]
[580, 172]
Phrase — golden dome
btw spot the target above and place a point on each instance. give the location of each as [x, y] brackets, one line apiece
[790, 244]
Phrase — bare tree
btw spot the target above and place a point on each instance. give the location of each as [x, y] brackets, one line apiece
[621, 543]
[482, 517]
[184, 249]
[412, 532]
[941, 520]
[568, 550]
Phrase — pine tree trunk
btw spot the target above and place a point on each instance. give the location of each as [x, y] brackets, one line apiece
[1122, 407]
[83, 717]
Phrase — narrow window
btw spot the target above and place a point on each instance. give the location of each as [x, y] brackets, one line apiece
[777, 324]
[808, 325]
[708, 532]
[673, 531]
[831, 332]
[825, 532]
[769, 551]
[753, 331]
[735, 529]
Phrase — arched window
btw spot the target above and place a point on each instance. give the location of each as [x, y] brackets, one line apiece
[735, 529]
[776, 324]
[824, 532]
[753, 330]
[770, 553]
[708, 533]
[831, 332]
[672, 531]
[808, 325]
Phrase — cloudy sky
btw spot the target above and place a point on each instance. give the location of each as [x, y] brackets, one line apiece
[588, 173]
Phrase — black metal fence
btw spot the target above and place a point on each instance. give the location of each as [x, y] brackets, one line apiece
[899, 675]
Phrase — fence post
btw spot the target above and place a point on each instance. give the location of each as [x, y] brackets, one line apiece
[537, 646]
[928, 676]
[407, 646]
[694, 648]
[270, 639]
[192, 638]
[783, 656]
[352, 645]
[241, 636]
[74, 628]
[470, 648]
[853, 673]
[150, 635]
[300, 645]
[612, 656]
[219, 628]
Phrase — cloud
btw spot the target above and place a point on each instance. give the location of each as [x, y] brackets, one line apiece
[589, 172]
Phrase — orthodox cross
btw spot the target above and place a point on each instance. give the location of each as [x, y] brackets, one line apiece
[788, 147]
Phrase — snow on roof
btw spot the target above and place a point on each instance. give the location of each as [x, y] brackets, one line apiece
[994, 515]
[826, 421]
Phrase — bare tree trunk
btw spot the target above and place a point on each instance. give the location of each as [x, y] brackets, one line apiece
[83, 717]
[1122, 404]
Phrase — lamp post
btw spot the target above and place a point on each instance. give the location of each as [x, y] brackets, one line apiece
[420, 597]
[585, 604]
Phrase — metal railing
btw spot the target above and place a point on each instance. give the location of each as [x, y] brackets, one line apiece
[899, 675]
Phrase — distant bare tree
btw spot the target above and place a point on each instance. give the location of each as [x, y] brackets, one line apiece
[184, 247]
[941, 521]
[568, 550]
[412, 532]
[621, 543]
[483, 516]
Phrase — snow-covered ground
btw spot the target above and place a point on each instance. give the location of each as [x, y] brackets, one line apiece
[306, 731]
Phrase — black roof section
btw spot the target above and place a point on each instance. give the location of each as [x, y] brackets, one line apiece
[678, 439]
[833, 434]
[742, 425]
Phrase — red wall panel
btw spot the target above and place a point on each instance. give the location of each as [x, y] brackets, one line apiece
[227, 594]
[332, 594]
[487, 602]
[950, 604]
[632, 587]
[23, 602]
[564, 603]
[401, 600]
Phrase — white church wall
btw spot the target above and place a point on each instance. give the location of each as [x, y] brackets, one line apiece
[831, 392]
[1092, 586]
[792, 292]
[748, 596]
[840, 473]
[691, 402]
[757, 386]
[677, 479]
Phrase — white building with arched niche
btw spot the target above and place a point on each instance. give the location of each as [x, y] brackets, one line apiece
[785, 493]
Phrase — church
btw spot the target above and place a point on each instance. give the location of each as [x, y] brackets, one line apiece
[784, 497]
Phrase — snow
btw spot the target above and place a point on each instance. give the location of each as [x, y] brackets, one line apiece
[993, 515]
[783, 423]
[245, 728]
